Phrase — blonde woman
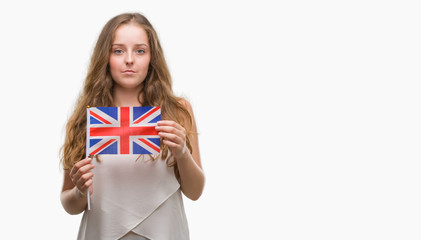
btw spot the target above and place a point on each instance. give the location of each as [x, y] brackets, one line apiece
[132, 197]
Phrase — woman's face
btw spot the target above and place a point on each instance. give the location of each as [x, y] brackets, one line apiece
[130, 56]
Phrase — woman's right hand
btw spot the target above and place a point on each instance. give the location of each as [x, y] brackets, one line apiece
[81, 176]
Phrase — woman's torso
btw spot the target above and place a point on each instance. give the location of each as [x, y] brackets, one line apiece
[134, 193]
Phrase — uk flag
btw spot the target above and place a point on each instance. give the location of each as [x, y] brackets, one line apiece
[122, 130]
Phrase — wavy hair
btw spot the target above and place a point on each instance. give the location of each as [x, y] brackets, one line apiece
[98, 90]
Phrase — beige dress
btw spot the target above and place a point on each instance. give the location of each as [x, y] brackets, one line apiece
[134, 197]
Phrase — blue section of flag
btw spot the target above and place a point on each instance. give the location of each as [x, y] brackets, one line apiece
[112, 149]
[110, 111]
[139, 111]
[155, 120]
[93, 142]
[157, 141]
[139, 150]
[94, 121]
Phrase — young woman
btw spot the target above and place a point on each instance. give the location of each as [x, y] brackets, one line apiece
[132, 197]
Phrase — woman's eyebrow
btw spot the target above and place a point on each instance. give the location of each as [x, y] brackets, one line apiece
[139, 44]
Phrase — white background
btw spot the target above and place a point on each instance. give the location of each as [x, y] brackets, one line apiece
[308, 113]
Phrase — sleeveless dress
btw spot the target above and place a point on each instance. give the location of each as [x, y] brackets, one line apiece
[134, 198]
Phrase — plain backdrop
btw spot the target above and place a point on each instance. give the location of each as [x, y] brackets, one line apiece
[308, 113]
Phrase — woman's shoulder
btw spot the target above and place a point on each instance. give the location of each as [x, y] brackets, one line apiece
[185, 104]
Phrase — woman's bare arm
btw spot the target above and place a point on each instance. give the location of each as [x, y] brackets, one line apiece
[192, 177]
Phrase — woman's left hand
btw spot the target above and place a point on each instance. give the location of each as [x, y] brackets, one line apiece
[174, 136]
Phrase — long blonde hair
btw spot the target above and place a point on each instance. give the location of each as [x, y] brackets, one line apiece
[98, 89]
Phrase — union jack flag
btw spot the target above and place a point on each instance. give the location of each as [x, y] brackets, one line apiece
[122, 130]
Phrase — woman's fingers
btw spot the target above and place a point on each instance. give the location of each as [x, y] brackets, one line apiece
[81, 172]
[79, 164]
[82, 166]
[86, 168]
[171, 127]
[172, 131]
[81, 175]
[85, 186]
[87, 176]
[80, 182]
[169, 123]
[174, 136]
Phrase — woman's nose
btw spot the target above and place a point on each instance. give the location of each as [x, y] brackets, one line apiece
[129, 58]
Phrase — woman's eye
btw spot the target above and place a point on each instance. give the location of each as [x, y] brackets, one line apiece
[118, 51]
[140, 51]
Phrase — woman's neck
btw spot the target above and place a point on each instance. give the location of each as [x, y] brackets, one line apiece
[124, 97]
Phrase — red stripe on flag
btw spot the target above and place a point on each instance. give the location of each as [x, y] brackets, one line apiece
[99, 118]
[146, 115]
[102, 147]
[123, 132]
[125, 126]
[149, 144]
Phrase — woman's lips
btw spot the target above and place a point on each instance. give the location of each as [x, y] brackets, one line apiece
[129, 72]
